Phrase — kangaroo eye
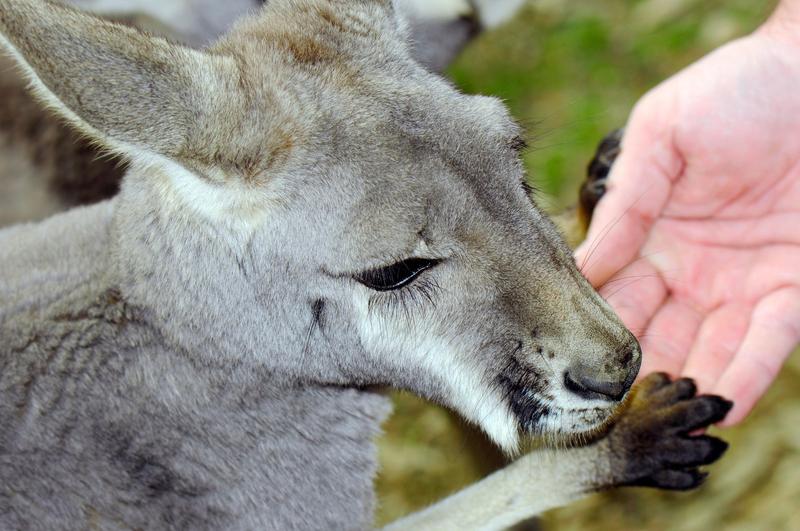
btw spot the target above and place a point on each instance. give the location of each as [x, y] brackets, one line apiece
[395, 276]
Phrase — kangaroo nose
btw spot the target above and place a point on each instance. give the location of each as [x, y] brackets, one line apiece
[591, 384]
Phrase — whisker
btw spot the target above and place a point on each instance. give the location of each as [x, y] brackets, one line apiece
[604, 233]
[609, 296]
[632, 277]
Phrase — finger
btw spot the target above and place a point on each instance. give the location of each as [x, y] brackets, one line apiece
[677, 391]
[697, 413]
[690, 452]
[771, 228]
[668, 479]
[773, 333]
[637, 190]
[635, 294]
[669, 338]
[718, 339]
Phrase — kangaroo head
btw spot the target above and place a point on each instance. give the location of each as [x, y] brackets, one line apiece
[306, 198]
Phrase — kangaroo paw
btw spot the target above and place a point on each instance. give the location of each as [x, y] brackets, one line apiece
[594, 187]
[650, 444]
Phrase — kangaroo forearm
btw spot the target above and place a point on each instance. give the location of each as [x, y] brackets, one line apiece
[646, 445]
[549, 479]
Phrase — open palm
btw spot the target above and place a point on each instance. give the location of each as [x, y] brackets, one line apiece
[697, 241]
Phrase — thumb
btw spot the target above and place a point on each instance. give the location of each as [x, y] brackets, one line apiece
[636, 192]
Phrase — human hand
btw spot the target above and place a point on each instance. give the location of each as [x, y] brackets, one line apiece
[696, 243]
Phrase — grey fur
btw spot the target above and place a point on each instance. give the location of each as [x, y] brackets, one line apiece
[196, 354]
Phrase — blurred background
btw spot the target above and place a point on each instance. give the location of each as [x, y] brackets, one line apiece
[571, 70]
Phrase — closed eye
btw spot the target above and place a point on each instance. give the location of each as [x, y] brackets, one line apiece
[395, 276]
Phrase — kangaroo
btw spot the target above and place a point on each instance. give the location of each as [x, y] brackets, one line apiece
[47, 167]
[309, 215]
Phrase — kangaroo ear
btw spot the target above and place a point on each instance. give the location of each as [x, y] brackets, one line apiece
[125, 89]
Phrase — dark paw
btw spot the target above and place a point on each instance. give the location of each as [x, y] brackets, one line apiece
[594, 187]
[650, 442]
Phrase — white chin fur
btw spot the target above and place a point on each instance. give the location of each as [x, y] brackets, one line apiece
[569, 422]
[427, 350]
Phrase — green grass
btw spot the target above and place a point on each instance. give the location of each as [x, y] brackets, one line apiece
[572, 71]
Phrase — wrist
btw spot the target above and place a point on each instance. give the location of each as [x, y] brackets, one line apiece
[784, 23]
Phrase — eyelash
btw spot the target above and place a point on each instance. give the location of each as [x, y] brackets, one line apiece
[422, 290]
[518, 144]
[400, 283]
[528, 188]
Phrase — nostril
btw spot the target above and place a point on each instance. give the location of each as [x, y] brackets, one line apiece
[589, 387]
[633, 364]
[573, 385]
[631, 357]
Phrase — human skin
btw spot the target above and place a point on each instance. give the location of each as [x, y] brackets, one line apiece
[696, 243]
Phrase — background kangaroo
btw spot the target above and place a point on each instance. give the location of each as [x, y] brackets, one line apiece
[308, 213]
[437, 28]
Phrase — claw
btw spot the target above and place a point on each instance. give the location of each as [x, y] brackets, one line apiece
[594, 188]
[653, 433]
